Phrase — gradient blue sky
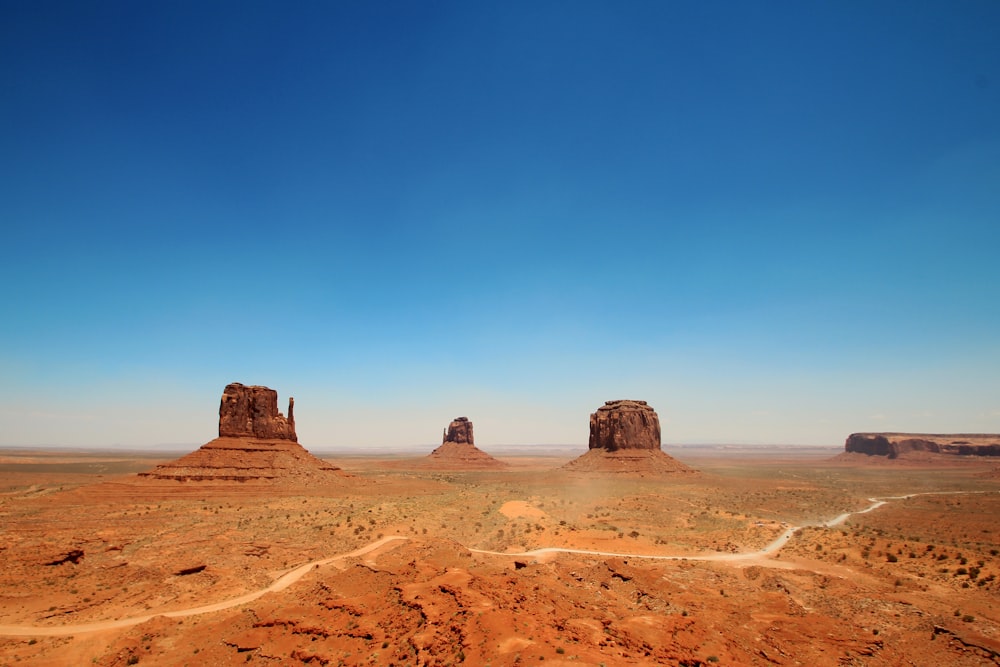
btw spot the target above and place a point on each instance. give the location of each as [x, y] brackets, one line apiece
[777, 222]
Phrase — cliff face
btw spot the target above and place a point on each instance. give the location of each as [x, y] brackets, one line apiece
[252, 412]
[459, 431]
[624, 425]
[894, 445]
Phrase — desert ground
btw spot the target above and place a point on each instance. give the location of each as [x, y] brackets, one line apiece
[766, 556]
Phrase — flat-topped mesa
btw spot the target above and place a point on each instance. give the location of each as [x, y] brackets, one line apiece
[625, 438]
[624, 424]
[894, 445]
[252, 412]
[459, 431]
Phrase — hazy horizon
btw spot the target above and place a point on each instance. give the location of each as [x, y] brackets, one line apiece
[775, 223]
[419, 448]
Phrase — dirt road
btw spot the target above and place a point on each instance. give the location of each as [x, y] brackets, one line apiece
[293, 575]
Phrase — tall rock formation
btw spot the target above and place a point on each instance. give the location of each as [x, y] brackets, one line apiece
[459, 431]
[458, 451]
[624, 425]
[896, 445]
[252, 412]
[256, 443]
[625, 437]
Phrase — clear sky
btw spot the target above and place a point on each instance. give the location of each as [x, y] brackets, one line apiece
[777, 222]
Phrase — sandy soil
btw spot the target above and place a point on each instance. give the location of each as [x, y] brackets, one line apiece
[502, 567]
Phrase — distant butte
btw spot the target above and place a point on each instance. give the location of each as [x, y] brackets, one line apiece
[459, 452]
[256, 443]
[909, 445]
[625, 438]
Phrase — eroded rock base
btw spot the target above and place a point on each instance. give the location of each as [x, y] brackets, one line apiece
[634, 461]
[246, 460]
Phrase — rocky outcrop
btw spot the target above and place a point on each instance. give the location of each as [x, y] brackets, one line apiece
[624, 425]
[460, 431]
[256, 443]
[252, 412]
[625, 438]
[895, 445]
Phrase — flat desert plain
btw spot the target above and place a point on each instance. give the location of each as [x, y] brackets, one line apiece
[766, 556]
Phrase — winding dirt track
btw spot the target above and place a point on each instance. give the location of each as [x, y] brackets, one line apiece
[293, 575]
[279, 584]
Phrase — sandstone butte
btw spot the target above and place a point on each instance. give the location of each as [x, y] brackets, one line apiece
[256, 443]
[459, 452]
[908, 445]
[625, 437]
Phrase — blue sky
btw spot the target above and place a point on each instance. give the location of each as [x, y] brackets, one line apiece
[776, 222]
